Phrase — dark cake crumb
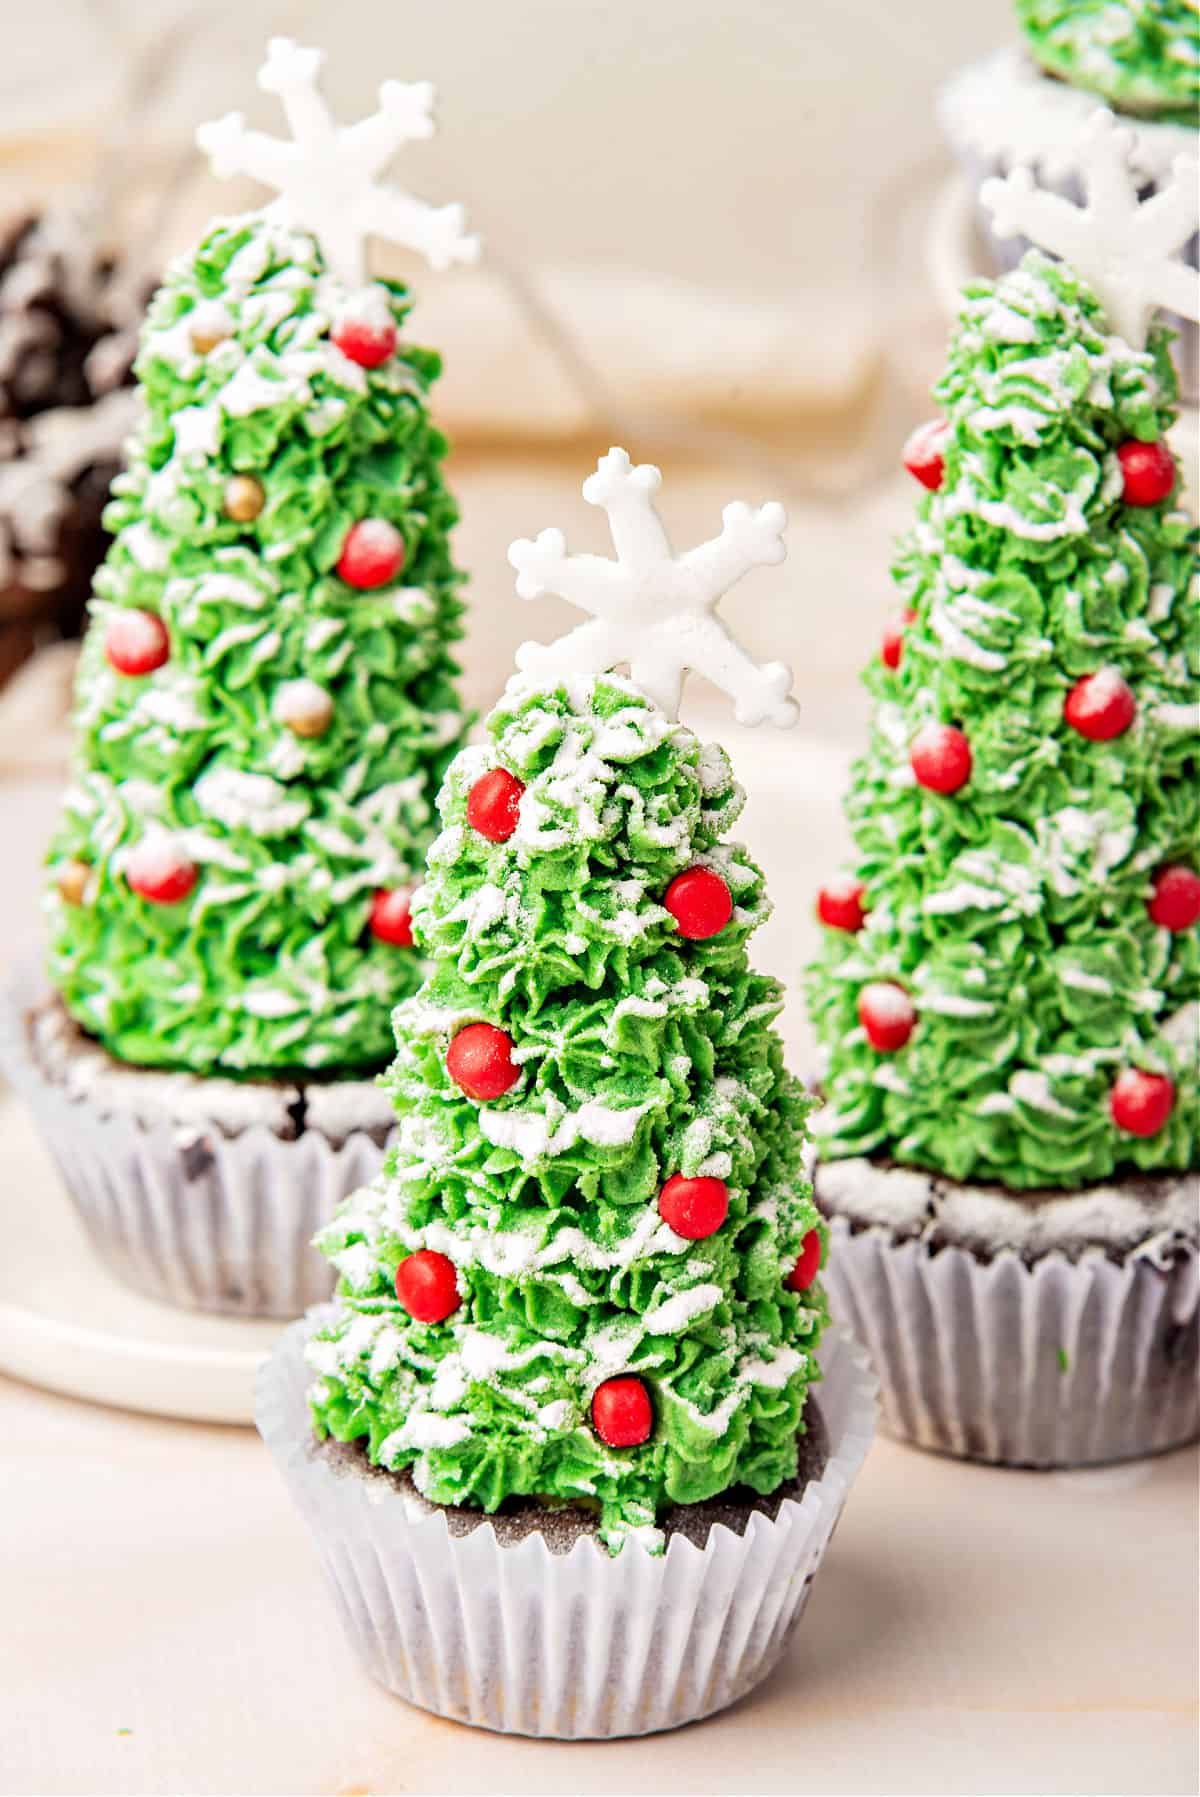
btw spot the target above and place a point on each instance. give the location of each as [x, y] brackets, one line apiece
[561, 1526]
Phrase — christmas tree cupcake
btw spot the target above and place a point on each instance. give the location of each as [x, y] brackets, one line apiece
[562, 1454]
[266, 707]
[1029, 106]
[1008, 993]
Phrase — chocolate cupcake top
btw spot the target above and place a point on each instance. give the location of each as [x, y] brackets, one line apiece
[1140, 56]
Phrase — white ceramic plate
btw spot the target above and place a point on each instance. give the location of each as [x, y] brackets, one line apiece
[66, 1323]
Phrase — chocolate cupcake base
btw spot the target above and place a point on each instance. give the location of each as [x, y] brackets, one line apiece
[200, 1192]
[521, 1621]
[1040, 1329]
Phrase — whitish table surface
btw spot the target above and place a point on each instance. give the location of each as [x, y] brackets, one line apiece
[972, 1630]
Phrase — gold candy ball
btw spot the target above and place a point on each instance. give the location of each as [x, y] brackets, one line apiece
[208, 326]
[72, 881]
[304, 707]
[244, 498]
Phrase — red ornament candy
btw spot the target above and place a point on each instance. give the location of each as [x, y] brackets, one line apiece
[158, 870]
[840, 904]
[1100, 706]
[365, 334]
[924, 453]
[391, 916]
[940, 757]
[1140, 1102]
[892, 646]
[808, 1263]
[694, 1208]
[1149, 472]
[887, 1014]
[493, 804]
[1175, 903]
[427, 1286]
[372, 554]
[700, 902]
[479, 1061]
[136, 642]
[621, 1412]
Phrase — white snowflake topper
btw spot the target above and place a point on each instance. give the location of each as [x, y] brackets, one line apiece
[1124, 248]
[326, 177]
[651, 608]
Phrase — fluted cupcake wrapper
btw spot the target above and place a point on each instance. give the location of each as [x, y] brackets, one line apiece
[577, 1645]
[1002, 113]
[1057, 1362]
[214, 1214]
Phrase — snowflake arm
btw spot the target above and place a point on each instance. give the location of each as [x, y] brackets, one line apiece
[590, 648]
[748, 540]
[405, 116]
[437, 231]
[627, 493]
[233, 150]
[544, 566]
[652, 610]
[327, 177]
[291, 72]
[1127, 251]
[759, 694]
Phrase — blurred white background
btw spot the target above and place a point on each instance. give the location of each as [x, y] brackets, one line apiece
[723, 206]
[738, 143]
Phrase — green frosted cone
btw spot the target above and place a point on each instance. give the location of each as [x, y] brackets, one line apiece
[1140, 56]
[1015, 910]
[641, 1054]
[291, 743]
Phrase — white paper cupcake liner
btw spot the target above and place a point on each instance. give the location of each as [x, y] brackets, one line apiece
[1056, 1363]
[200, 1207]
[1003, 112]
[577, 1645]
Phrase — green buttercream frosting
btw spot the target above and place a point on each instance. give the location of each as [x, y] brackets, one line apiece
[1014, 910]
[642, 1055]
[1141, 56]
[268, 963]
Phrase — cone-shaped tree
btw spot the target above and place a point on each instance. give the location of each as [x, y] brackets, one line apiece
[1012, 995]
[588, 1270]
[266, 701]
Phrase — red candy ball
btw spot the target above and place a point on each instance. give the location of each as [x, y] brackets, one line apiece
[427, 1286]
[158, 870]
[494, 804]
[1148, 470]
[700, 902]
[694, 1208]
[887, 1014]
[136, 642]
[372, 554]
[808, 1263]
[1175, 903]
[1140, 1102]
[892, 646]
[940, 757]
[479, 1061]
[367, 338]
[1100, 706]
[391, 916]
[924, 453]
[621, 1412]
[840, 904]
